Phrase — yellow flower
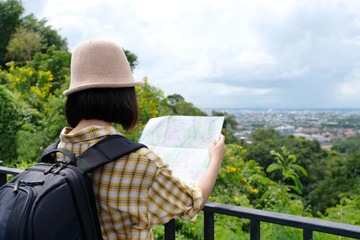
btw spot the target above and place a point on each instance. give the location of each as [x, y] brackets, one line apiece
[236, 198]
[31, 73]
[254, 190]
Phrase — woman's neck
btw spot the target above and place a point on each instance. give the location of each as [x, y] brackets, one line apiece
[89, 122]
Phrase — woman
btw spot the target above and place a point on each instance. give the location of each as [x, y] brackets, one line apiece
[137, 191]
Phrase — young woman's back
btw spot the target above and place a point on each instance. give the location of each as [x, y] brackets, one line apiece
[137, 191]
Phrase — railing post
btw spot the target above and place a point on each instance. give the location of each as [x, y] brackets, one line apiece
[3, 179]
[307, 234]
[208, 225]
[170, 230]
[254, 229]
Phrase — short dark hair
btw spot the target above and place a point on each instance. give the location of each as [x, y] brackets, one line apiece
[115, 105]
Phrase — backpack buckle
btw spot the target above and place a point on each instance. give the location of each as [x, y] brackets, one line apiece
[58, 165]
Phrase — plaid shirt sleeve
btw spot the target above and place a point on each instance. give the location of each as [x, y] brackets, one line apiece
[169, 197]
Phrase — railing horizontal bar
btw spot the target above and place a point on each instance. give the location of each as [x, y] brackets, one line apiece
[311, 224]
[12, 171]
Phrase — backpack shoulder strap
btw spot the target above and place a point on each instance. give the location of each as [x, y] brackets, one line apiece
[109, 149]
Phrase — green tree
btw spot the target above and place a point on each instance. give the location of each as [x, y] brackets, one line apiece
[50, 36]
[349, 145]
[229, 127]
[174, 98]
[55, 61]
[10, 123]
[286, 163]
[24, 43]
[262, 142]
[10, 13]
[187, 109]
[132, 59]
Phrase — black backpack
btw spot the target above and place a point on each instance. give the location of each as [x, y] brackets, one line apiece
[56, 200]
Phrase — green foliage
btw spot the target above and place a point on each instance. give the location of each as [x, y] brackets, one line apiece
[187, 109]
[262, 134]
[24, 43]
[263, 141]
[352, 166]
[10, 123]
[286, 163]
[33, 138]
[229, 128]
[50, 37]
[174, 98]
[55, 61]
[21, 37]
[149, 99]
[349, 145]
[132, 59]
[10, 12]
[341, 177]
[29, 85]
[32, 116]
[239, 182]
[179, 106]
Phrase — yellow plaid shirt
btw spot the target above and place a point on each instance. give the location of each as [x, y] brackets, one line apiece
[135, 192]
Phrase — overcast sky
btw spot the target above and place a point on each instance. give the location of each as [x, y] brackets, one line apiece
[229, 53]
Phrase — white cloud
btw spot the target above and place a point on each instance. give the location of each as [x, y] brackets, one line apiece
[228, 49]
[353, 40]
[297, 72]
[350, 88]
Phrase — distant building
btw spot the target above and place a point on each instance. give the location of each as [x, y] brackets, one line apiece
[285, 130]
[321, 139]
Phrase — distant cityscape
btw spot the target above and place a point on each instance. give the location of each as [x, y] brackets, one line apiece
[326, 126]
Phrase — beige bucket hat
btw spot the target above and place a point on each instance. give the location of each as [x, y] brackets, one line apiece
[98, 63]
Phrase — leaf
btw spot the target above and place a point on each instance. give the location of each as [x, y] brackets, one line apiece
[277, 155]
[293, 157]
[273, 167]
[265, 195]
[297, 183]
[299, 168]
[296, 189]
[297, 196]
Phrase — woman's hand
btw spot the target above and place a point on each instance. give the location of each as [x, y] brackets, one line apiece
[216, 155]
[217, 151]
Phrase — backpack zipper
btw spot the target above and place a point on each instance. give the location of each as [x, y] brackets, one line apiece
[26, 183]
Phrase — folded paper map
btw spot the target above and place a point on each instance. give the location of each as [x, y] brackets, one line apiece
[183, 142]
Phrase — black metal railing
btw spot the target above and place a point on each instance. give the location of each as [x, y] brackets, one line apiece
[308, 225]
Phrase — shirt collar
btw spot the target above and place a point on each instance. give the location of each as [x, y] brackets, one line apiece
[86, 134]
